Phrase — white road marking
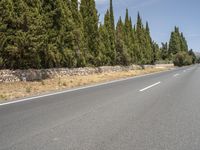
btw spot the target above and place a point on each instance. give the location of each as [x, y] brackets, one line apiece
[77, 89]
[146, 88]
[176, 75]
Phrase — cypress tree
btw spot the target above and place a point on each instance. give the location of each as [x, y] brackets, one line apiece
[105, 47]
[175, 42]
[112, 32]
[140, 41]
[59, 39]
[123, 57]
[129, 36]
[90, 23]
[151, 47]
[184, 45]
[164, 51]
[17, 29]
[79, 41]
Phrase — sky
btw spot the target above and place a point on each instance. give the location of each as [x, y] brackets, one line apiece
[162, 16]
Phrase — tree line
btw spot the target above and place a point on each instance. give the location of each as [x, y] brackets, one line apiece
[177, 50]
[66, 33]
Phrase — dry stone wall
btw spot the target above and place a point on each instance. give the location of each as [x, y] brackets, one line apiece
[36, 75]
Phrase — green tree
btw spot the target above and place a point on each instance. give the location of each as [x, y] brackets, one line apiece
[143, 43]
[19, 37]
[90, 24]
[192, 54]
[175, 42]
[151, 47]
[123, 57]
[184, 45]
[79, 40]
[128, 36]
[164, 51]
[112, 33]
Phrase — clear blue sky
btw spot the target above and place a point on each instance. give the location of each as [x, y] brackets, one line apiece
[162, 16]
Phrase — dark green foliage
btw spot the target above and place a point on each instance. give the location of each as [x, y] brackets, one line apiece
[112, 33]
[177, 42]
[164, 51]
[67, 33]
[19, 38]
[79, 40]
[123, 57]
[192, 54]
[178, 49]
[128, 39]
[90, 24]
[144, 43]
[156, 53]
[182, 59]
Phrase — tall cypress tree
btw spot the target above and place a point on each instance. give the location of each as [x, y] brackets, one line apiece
[90, 23]
[184, 45]
[123, 57]
[105, 47]
[175, 42]
[59, 41]
[18, 35]
[112, 32]
[79, 40]
[140, 38]
[129, 36]
[151, 48]
[164, 51]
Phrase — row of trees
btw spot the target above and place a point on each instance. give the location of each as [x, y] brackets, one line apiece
[66, 33]
[177, 50]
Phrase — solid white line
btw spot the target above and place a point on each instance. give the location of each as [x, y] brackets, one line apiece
[176, 75]
[146, 88]
[77, 89]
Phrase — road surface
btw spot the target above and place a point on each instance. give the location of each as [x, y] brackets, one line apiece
[154, 112]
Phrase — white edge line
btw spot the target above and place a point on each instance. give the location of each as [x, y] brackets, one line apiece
[146, 88]
[80, 88]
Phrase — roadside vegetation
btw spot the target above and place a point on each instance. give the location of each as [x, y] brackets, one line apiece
[10, 91]
[65, 33]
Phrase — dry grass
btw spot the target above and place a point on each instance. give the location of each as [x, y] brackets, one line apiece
[9, 91]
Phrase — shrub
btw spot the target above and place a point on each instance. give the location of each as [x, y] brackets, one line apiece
[182, 59]
[28, 89]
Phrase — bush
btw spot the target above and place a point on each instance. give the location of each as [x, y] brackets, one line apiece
[182, 59]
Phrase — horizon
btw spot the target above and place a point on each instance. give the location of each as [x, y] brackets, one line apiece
[153, 12]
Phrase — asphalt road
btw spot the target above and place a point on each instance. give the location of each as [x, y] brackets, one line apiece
[154, 112]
